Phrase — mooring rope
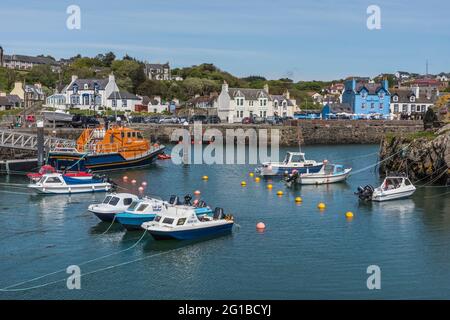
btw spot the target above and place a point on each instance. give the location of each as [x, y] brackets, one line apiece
[378, 162]
[63, 270]
[112, 222]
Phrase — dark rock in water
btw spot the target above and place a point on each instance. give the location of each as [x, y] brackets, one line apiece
[424, 156]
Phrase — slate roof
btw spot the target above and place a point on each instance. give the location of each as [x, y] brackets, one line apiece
[30, 59]
[4, 101]
[373, 88]
[340, 108]
[10, 100]
[280, 98]
[90, 82]
[122, 95]
[248, 94]
[404, 96]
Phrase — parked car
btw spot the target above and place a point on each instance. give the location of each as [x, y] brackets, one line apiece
[198, 118]
[274, 120]
[258, 120]
[137, 119]
[247, 120]
[80, 121]
[152, 119]
[170, 119]
[213, 119]
[31, 118]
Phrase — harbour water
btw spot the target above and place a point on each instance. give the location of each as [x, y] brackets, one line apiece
[303, 253]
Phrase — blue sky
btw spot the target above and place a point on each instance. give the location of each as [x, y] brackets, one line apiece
[300, 39]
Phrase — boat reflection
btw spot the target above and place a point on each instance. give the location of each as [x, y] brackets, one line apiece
[399, 207]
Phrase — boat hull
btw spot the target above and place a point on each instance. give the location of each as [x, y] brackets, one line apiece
[392, 196]
[323, 178]
[64, 189]
[100, 162]
[190, 234]
[133, 222]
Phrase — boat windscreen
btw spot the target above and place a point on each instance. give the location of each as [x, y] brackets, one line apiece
[133, 205]
[142, 207]
[107, 199]
[114, 201]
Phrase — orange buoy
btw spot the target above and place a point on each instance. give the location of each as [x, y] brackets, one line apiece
[197, 192]
[260, 226]
[125, 178]
[144, 184]
[141, 189]
[133, 181]
[257, 179]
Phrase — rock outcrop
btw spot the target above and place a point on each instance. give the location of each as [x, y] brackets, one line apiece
[424, 157]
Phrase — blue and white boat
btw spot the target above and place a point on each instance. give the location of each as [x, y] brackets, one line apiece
[292, 161]
[184, 223]
[58, 183]
[147, 208]
[112, 204]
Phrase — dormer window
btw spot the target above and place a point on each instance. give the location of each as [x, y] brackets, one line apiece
[363, 94]
[86, 86]
[75, 88]
[395, 98]
[381, 95]
[412, 98]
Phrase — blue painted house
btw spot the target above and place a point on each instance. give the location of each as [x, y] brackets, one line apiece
[367, 98]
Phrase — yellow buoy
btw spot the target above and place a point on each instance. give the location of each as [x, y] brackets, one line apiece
[205, 177]
[251, 174]
[269, 186]
[321, 206]
[279, 193]
[257, 179]
[243, 183]
[298, 199]
[349, 214]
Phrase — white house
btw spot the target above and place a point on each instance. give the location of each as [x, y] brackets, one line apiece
[98, 94]
[411, 101]
[234, 104]
[57, 101]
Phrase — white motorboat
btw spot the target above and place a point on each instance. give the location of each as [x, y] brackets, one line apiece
[58, 183]
[292, 161]
[184, 223]
[112, 204]
[392, 188]
[329, 173]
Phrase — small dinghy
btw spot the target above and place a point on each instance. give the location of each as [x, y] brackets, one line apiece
[292, 161]
[36, 176]
[183, 223]
[392, 188]
[112, 204]
[329, 173]
[58, 183]
[146, 209]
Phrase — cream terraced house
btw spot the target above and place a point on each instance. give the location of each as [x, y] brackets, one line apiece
[235, 104]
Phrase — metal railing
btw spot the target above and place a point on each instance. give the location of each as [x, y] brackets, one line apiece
[27, 141]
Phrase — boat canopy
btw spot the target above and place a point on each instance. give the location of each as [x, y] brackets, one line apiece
[294, 157]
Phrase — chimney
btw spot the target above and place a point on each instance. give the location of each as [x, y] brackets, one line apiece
[416, 90]
[287, 94]
[225, 86]
[2, 94]
[74, 77]
[111, 78]
[266, 88]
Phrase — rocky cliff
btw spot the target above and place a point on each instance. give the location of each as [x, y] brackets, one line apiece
[424, 156]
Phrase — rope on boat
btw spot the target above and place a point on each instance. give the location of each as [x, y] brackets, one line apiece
[78, 161]
[437, 195]
[8, 288]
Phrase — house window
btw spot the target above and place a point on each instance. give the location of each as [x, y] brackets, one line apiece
[413, 108]
[124, 103]
[396, 108]
[264, 114]
[265, 102]
[381, 106]
[412, 99]
[250, 103]
[405, 108]
[242, 114]
[275, 104]
[395, 98]
[424, 108]
[363, 106]
[114, 103]
[260, 114]
[363, 95]
[372, 105]
[237, 114]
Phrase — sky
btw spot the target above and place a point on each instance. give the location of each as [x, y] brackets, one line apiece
[299, 39]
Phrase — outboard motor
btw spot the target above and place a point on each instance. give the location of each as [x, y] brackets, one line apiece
[173, 199]
[365, 193]
[201, 204]
[187, 200]
[291, 178]
[218, 213]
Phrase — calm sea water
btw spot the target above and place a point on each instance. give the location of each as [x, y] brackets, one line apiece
[303, 253]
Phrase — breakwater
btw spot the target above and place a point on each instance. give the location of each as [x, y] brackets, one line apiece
[305, 132]
[424, 156]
